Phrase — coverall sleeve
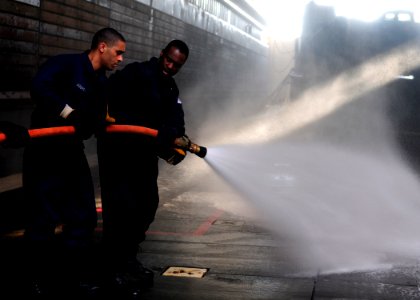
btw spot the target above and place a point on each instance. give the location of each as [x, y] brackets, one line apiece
[174, 125]
[46, 84]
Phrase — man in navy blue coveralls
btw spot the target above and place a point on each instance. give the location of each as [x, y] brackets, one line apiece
[68, 90]
[143, 94]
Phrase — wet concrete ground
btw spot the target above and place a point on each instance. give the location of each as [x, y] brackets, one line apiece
[198, 227]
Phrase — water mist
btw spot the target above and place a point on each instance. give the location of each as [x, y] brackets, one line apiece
[324, 171]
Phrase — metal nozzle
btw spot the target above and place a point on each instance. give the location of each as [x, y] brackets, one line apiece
[200, 151]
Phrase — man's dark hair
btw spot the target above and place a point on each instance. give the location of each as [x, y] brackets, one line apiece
[183, 48]
[107, 35]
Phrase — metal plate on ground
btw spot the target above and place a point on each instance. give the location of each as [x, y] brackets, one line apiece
[185, 272]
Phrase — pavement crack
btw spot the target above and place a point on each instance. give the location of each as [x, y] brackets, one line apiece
[314, 287]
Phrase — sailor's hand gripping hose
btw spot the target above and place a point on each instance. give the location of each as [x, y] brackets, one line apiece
[69, 130]
[185, 143]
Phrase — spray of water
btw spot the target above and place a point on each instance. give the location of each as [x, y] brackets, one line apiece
[318, 102]
[330, 182]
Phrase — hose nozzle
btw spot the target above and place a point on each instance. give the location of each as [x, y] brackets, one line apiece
[185, 143]
[200, 151]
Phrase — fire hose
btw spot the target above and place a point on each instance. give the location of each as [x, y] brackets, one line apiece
[200, 151]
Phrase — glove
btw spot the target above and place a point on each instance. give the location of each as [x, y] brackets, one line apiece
[183, 142]
[173, 156]
[16, 136]
[76, 119]
[109, 119]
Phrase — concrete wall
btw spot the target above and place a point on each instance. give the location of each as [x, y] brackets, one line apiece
[227, 63]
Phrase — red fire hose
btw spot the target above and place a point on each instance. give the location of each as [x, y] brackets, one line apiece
[69, 130]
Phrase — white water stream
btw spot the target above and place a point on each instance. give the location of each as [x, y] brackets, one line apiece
[326, 172]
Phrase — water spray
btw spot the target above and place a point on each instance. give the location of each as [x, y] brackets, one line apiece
[200, 151]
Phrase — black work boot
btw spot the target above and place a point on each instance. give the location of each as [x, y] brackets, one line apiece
[37, 290]
[77, 277]
[88, 290]
[40, 273]
[42, 289]
[132, 279]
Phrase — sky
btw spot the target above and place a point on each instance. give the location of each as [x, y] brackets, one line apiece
[284, 18]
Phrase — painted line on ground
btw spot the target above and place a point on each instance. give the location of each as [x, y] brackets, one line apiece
[201, 230]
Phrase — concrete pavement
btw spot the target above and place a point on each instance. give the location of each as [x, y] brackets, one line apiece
[210, 228]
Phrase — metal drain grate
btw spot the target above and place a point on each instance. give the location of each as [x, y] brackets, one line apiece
[185, 272]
